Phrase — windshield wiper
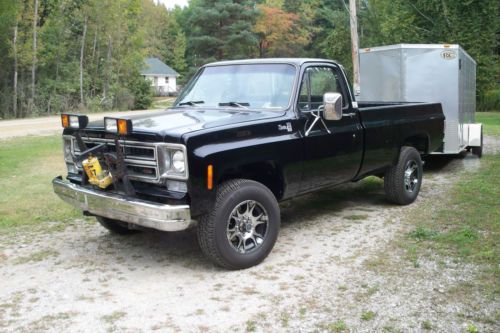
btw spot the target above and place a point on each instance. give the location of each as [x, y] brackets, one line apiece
[192, 103]
[236, 104]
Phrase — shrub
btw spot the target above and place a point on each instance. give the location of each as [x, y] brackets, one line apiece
[143, 94]
[490, 101]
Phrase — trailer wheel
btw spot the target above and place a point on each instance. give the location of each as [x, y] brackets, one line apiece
[478, 151]
[402, 181]
[243, 226]
[115, 226]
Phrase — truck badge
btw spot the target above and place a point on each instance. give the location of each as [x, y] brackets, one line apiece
[287, 127]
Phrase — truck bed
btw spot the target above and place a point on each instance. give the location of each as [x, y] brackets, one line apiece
[385, 125]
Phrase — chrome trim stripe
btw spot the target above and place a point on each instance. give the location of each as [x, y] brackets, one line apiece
[115, 206]
[125, 143]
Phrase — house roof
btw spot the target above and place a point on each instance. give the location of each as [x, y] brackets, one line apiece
[154, 66]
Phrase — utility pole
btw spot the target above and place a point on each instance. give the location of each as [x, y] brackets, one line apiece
[355, 46]
[33, 65]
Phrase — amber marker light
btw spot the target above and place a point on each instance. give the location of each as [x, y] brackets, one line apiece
[210, 177]
[65, 120]
[123, 127]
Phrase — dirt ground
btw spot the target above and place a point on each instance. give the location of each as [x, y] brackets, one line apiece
[47, 125]
[317, 278]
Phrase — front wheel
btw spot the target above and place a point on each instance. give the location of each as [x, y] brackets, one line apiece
[243, 226]
[402, 181]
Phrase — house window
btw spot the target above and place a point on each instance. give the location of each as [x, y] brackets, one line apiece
[166, 79]
[155, 80]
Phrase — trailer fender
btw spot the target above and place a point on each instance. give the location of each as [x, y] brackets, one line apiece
[475, 135]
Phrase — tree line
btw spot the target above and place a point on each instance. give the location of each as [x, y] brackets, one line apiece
[60, 55]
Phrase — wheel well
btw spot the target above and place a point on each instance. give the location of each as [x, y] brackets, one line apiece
[266, 173]
[419, 142]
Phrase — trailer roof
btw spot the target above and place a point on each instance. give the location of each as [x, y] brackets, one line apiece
[415, 46]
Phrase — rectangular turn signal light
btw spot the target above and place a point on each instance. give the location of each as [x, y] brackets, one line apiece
[119, 126]
[75, 121]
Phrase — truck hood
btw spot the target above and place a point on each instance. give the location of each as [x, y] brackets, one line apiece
[179, 121]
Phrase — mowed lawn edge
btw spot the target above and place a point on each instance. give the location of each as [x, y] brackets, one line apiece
[490, 121]
[27, 167]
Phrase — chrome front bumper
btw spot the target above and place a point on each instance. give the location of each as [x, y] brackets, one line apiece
[118, 207]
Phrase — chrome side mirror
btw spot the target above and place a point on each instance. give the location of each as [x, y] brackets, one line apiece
[332, 106]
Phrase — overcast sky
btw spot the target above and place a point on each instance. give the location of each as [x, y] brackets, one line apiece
[172, 3]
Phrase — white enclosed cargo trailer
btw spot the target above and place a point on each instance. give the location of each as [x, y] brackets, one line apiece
[439, 73]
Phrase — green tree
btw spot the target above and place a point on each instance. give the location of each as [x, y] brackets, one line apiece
[164, 38]
[473, 24]
[221, 29]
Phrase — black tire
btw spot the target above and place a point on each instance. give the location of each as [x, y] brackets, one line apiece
[214, 229]
[115, 226]
[478, 151]
[401, 189]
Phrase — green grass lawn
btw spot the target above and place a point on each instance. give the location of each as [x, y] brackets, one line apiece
[27, 167]
[490, 121]
[468, 225]
[162, 102]
[465, 225]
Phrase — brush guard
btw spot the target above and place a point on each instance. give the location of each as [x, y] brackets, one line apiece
[114, 161]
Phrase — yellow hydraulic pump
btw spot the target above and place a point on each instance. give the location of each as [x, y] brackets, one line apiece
[97, 176]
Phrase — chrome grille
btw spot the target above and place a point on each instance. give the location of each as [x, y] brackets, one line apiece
[141, 158]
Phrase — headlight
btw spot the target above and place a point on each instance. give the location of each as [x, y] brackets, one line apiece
[178, 162]
[110, 125]
[173, 162]
[68, 156]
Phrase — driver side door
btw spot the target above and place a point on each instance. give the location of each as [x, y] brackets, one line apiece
[335, 157]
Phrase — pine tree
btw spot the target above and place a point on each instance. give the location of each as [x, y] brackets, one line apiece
[221, 29]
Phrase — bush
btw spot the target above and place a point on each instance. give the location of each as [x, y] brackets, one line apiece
[143, 94]
[123, 99]
[490, 101]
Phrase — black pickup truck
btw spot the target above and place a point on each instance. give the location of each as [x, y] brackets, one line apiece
[241, 137]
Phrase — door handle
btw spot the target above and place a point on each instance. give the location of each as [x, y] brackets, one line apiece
[349, 114]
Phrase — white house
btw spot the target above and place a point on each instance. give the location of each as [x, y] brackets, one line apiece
[162, 77]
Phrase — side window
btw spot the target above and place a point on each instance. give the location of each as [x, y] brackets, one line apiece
[316, 82]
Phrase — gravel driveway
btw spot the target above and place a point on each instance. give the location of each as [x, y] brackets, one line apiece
[318, 278]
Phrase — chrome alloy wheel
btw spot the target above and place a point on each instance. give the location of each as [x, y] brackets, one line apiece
[247, 226]
[411, 176]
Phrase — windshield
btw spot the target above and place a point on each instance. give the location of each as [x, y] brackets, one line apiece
[262, 86]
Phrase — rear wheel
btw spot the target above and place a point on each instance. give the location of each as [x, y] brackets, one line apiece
[402, 181]
[243, 226]
[115, 226]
